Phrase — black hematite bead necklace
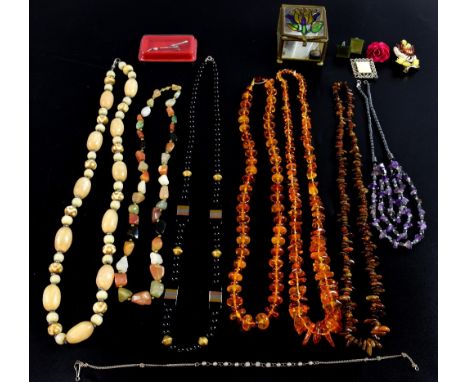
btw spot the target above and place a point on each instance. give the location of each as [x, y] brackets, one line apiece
[183, 214]
[392, 191]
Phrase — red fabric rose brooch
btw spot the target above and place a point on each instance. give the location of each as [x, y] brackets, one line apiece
[378, 51]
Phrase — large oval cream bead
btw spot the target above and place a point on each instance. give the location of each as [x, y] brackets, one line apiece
[63, 239]
[107, 99]
[109, 221]
[116, 127]
[80, 332]
[82, 187]
[94, 141]
[51, 297]
[105, 277]
[131, 87]
[119, 171]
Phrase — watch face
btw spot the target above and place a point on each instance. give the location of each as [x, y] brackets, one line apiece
[363, 68]
[297, 51]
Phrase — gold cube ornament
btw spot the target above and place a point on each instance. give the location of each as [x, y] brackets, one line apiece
[302, 33]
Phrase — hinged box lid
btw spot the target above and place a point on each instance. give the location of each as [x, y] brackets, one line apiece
[303, 22]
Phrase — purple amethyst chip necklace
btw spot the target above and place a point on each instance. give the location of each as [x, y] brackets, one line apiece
[392, 191]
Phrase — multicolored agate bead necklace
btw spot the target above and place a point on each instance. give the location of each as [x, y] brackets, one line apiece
[63, 239]
[298, 309]
[156, 268]
[183, 213]
[350, 159]
[235, 301]
[390, 200]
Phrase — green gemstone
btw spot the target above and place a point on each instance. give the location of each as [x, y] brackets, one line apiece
[317, 26]
[133, 209]
[156, 289]
[174, 119]
[124, 294]
[140, 124]
[162, 204]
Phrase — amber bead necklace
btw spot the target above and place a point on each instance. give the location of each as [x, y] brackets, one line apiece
[345, 157]
[235, 301]
[63, 239]
[298, 309]
[156, 268]
[182, 219]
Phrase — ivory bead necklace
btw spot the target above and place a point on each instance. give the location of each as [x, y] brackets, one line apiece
[156, 268]
[63, 239]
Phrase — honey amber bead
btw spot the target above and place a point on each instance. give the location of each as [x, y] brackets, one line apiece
[275, 263]
[243, 119]
[243, 239]
[263, 322]
[251, 170]
[279, 230]
[203, 341]
[234, 288]
[247, 322]
[167, 341]
[235, 276]
[245, 229]
[177, 251]
[243, 128]
[277, 178]
[216, 253]
[277, 251]
[243, 208]
[241, 264]
[278, 240]
[187, 173]
[242, 252]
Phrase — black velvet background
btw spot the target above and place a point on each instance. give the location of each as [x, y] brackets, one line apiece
[72, 46]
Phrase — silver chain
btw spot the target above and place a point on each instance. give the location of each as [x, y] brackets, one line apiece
[371, 109]
[83, 365]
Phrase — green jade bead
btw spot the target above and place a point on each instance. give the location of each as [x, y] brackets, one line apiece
[156, 289]
[134, 209]
[162, 204]
[124, 294]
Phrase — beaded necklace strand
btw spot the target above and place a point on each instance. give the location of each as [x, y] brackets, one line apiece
[182, 219]
[220, 364]
[390, 209]
[63, 239]
[156, 268]
[235, 301]
[298, 309]
[350, 158]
